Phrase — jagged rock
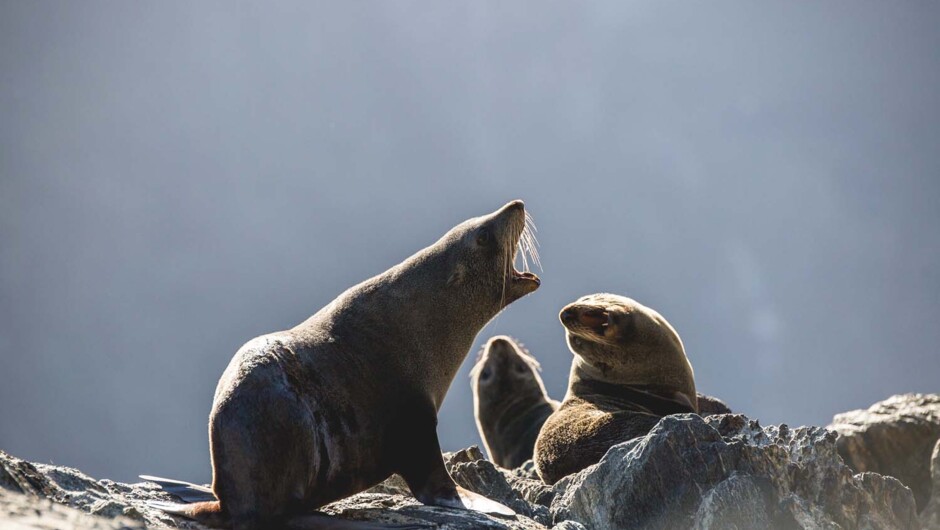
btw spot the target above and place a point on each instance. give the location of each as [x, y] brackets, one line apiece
[726, 472]
[930, 515]
[70, 487]
[33, 495]
[893, 437]
[723, 471]
[20, 511]
[525, 479]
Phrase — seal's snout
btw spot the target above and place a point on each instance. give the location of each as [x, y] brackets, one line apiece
[585, 318]
[568, 315]
[512, 212]
[499, 344]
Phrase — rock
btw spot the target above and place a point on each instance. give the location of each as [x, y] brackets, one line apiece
[930, 515]
[399, 509]
[526, 481]
[723, 471]
[893, 437]
[43, 496]
[20, 511]
[483, 477]
[728, 472]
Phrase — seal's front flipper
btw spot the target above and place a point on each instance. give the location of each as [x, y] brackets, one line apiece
[326, 522]
[421, 465]
[185, 491]
[479, 503]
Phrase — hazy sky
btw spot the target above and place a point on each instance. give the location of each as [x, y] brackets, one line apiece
[177, 178]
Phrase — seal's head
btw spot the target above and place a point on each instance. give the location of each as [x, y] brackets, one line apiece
[481, 253]
[620, 340]
[505, 369]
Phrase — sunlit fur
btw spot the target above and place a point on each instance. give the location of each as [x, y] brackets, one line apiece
[629, 370]
[509, 399]
[310, 415]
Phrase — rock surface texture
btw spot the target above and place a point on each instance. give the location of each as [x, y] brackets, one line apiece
[893, 437]
[690, 472]
[728, 472]
[930, 516]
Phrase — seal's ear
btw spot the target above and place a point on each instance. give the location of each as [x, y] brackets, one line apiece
[457, 275]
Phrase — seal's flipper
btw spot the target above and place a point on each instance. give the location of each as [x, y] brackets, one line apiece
[479, 503]
[186, 491]
[174, 508]
[327, 522]
[207, 513]
[422, 466]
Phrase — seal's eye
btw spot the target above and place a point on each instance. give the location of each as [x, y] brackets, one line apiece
[485, 374]
[520, 368]
[484, 237]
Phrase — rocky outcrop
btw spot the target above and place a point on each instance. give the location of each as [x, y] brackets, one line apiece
[723, 471]
[893, 437]
[43, 496]
[930, 516]
[728, 472]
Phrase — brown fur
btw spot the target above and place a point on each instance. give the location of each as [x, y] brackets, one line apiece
[509, 400]
[324, 410]
[629, 370]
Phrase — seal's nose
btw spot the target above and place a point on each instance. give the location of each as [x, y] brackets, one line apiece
[514, 205]
[568, 315]
[499, 345]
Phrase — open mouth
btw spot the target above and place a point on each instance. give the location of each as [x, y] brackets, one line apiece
[517, 276]
[597, 320]
[526, 250]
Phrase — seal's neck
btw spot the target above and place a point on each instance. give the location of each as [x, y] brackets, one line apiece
[411, 311]
[590, 384]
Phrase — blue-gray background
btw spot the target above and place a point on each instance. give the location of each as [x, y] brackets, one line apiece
[180, 177]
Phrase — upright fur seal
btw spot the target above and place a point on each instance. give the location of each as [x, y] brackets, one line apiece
[629, 370]
[509, 401]
[316, 413]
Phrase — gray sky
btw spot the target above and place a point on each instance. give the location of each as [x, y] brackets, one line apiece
[177, 178]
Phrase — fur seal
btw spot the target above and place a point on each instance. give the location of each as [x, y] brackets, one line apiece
[629, 370]
[509, 401]
[335, 405]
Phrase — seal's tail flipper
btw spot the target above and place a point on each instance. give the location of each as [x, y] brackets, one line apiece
[186, 491]
[207, 513]
[326, 522]
[479, 503]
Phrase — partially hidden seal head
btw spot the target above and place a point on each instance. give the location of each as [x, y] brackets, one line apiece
[509, 400]
[310, 415]
[619, 340]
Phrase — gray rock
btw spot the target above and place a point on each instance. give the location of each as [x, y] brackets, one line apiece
[722, 471]
[893, 437]
[44, 496]
[930, 515]
[726, 472]
[21, 511]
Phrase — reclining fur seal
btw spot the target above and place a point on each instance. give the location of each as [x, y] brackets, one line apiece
[629, 370]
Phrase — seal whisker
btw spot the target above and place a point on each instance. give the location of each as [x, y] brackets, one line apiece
[528, 243]
[532, 242]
